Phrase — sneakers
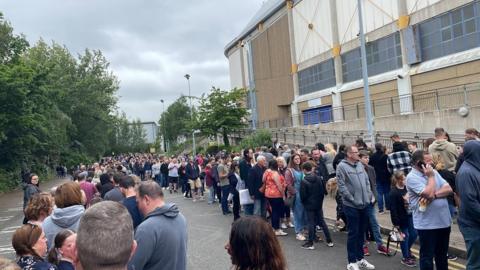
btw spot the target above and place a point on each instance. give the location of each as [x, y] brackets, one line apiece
[383, 250]
[308, 245]
[452, 257]
[330, 244]
[365, 251]
[352, 266]
[381, 212]
[280, 232]
[283, 226]
[290, 225]
[301, 237]
[365, 265]
[408, 262]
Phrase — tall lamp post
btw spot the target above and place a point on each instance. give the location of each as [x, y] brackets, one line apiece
[163, 125]
[187, 76]
[368, 107]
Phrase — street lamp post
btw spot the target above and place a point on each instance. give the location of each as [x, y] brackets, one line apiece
[187, 76]
[368, 108]
[163, 125]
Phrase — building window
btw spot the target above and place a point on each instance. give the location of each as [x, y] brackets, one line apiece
[383, 55]
[317, 77]
[317, 115]
[452, 32]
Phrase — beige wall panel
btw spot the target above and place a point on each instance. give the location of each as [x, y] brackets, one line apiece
[450, 77]
[272, 70]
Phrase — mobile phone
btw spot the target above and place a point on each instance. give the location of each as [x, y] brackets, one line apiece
[421, 164]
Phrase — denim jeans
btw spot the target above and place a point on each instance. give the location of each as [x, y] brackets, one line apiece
[357, 222]
[383, 189]
[211, 194]
[373, 223]
[434, 244]
[410, 237]
[472, 241]
[315, 217]
[248, 209]
[260, 208]
[453, 210]
[277, 211]
[225, 192]
[299, 215]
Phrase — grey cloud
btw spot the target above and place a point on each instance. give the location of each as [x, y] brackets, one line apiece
[150, 44]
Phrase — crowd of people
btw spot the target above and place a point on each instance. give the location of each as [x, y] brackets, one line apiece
[113, 215]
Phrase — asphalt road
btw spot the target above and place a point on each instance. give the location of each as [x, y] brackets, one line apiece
[208, 232]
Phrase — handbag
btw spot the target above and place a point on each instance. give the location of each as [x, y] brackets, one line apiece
[245, 197]
[198, 183]
[395, 236]
[289, 201]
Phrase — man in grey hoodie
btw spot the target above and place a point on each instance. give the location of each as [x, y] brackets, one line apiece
[354, 187]
[162, 236]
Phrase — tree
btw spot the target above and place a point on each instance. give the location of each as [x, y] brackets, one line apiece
[175, 121]
[221, 112]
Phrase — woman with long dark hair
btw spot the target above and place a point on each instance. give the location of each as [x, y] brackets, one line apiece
[233, 177]
[30, 188]
[293, 177]
[274, 192]
[253, 246]
[63, 252]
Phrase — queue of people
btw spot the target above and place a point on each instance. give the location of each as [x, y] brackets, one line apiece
[116, 204]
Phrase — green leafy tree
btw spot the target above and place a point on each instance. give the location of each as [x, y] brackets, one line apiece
[175, 121]
[221, 112]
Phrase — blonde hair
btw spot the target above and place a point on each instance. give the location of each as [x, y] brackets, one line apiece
[332, 187]
[6, 264]
[438, 161]
[397, 177]
[281, 159]
[330, 149]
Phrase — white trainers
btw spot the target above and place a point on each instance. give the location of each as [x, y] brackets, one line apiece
[352, 266]
[280, 232]
[290, 225]
[283, 226]
[365, 265]
[301, 237]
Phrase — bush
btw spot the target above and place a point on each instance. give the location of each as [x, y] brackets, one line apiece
[260, 138]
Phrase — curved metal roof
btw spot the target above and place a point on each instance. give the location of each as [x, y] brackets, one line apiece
[267, 10]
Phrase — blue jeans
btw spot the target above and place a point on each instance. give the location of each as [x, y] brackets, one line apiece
[357, 221]
[299, 214]
[225, 192]
[248, 209]
[410, 237]
[472, 241]
[453, 210]
[211, 195]
[383, 189]
[259, 207]
[373, 223]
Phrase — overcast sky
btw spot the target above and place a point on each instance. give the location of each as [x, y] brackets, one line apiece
[151, 44]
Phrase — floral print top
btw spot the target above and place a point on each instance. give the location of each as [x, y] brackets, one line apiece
[34, 263]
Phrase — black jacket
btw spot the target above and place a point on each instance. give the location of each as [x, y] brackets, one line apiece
[339, 157]
[244, 167]
[254, 181]
[232, 178]
[192, 172]
[322, 172]
[164, 168]
[379, 162]
[398, 207]
[468, 186]
[312, 192]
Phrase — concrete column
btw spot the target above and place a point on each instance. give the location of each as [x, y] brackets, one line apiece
[293, 55]
[337, 62]
[403, 81]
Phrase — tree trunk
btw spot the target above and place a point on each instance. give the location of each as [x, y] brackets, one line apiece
[225, 138]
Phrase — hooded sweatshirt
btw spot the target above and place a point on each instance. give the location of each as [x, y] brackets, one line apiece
[162, 240]
[61, 219]
[353, 184]
[312, 192]
[447, 150]
[468, 186]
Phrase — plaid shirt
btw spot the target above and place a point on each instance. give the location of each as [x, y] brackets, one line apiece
[399, 161]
